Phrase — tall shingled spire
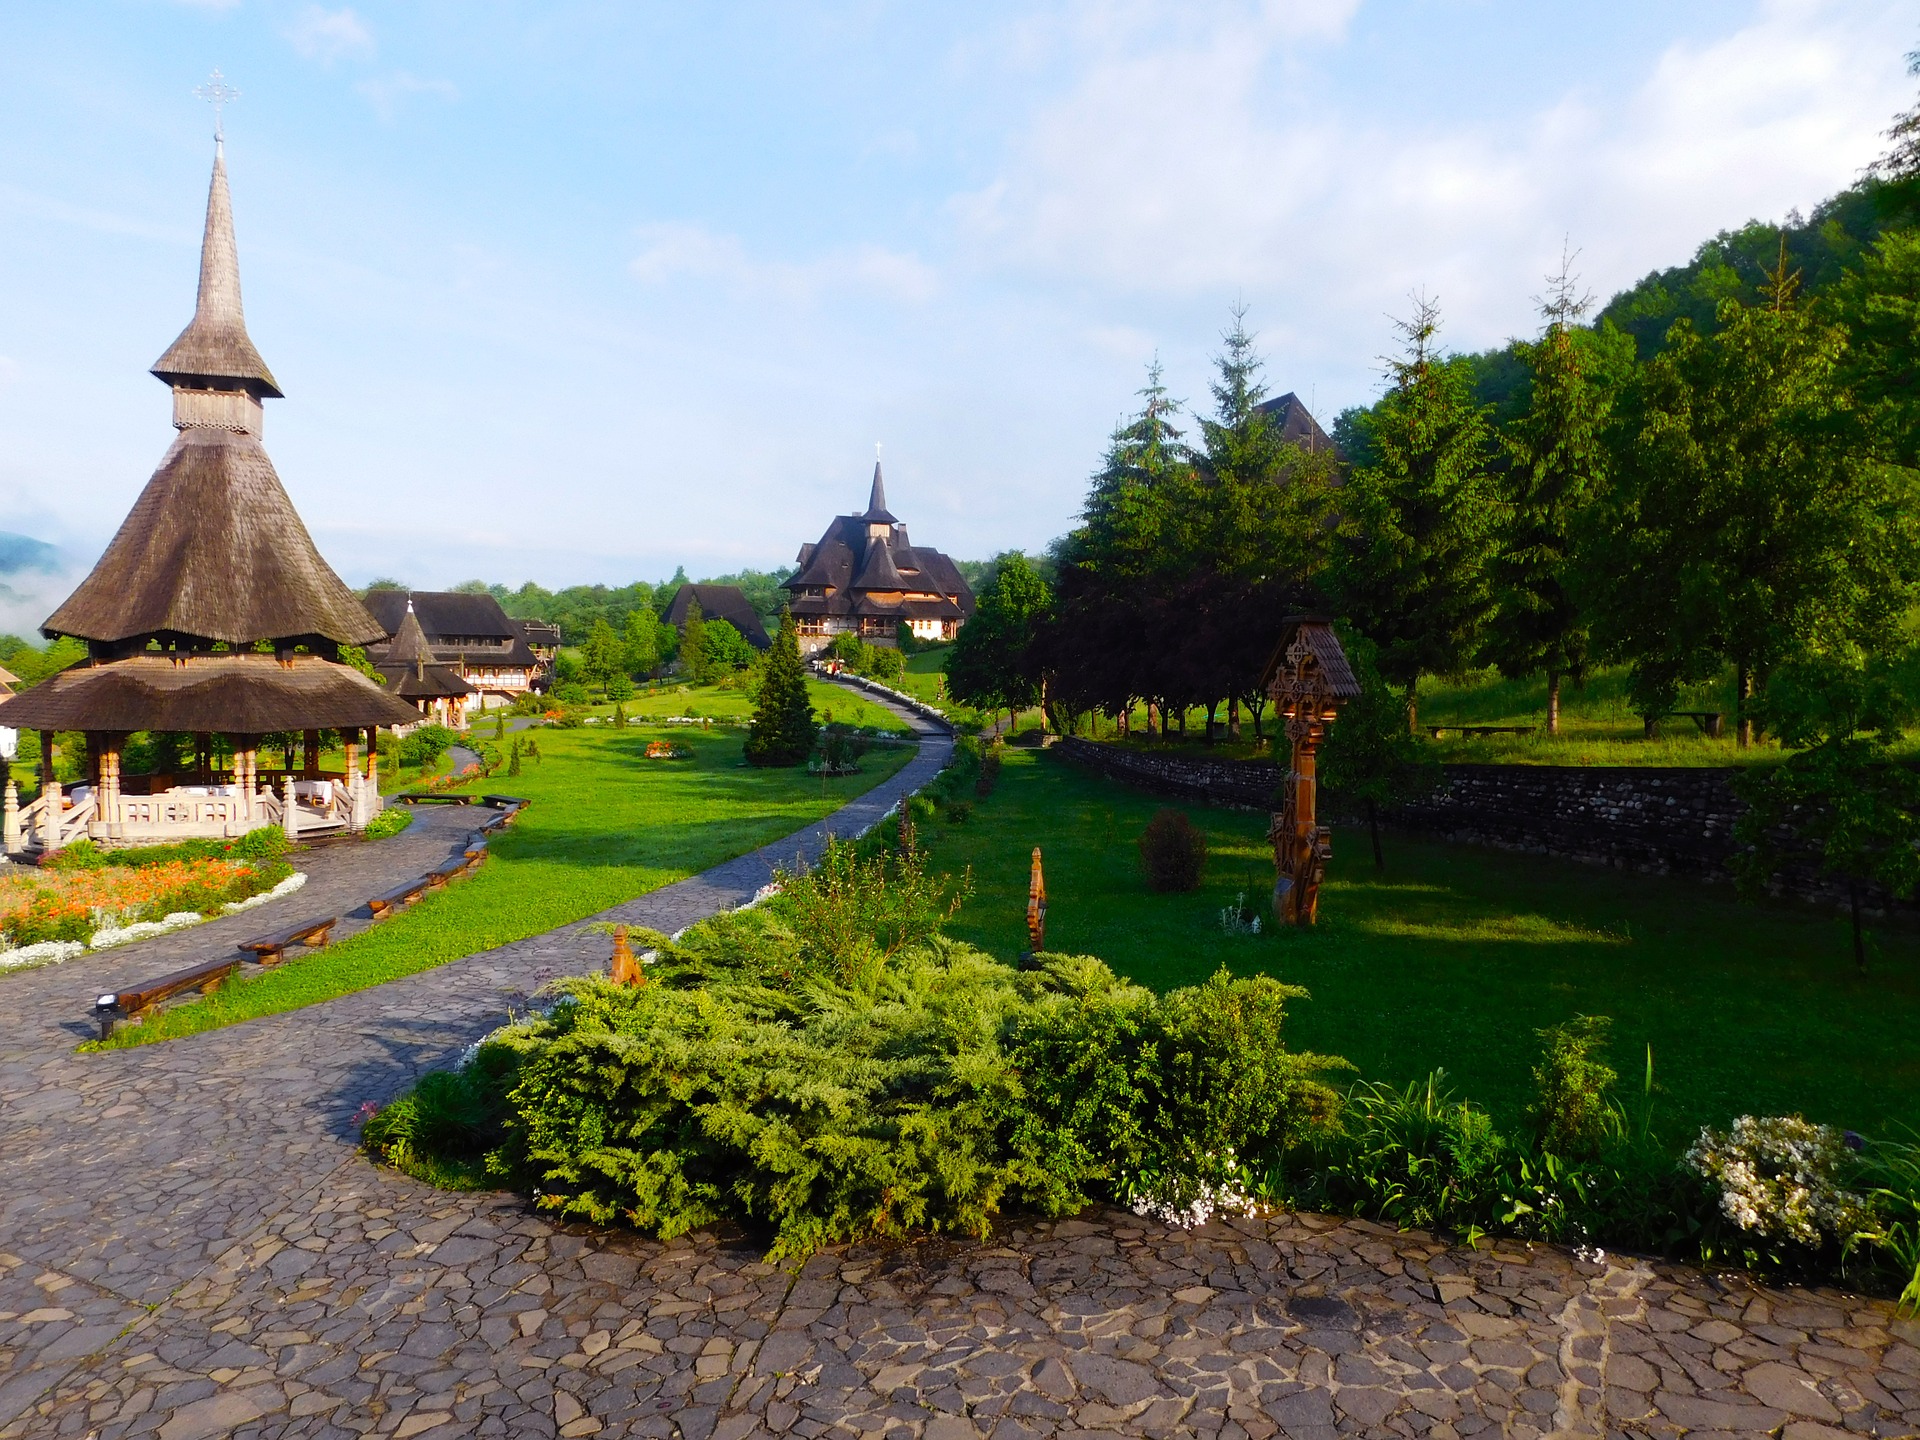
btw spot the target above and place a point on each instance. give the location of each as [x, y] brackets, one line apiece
[214, 352]
[877, 500]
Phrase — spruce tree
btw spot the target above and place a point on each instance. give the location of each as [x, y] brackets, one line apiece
[1556, 464]
[1419, 526]
[783, 727]
[693, 649]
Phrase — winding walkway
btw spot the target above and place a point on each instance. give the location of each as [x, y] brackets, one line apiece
[190, 1246]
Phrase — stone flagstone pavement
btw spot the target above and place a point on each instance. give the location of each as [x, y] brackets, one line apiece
[191, 1246]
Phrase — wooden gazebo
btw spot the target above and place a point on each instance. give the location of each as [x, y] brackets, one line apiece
[210, 614]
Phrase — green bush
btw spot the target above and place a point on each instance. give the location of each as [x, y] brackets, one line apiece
[390, 821]
[423, 747]
[1173, 854]
[1572, 1112]
[825, 1068]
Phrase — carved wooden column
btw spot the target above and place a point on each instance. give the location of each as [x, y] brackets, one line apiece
[50, 798]
[1308, 678]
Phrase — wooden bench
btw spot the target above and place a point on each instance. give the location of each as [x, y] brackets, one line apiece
[1469, 730]
[398, 897]
[134, 1004]
[272, 949]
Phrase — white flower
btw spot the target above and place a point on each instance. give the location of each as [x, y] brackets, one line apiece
[1777, 1177]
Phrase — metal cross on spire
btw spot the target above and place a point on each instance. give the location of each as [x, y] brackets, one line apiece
[217, 93]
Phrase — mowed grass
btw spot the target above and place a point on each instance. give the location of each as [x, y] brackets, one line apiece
[606, 824]
[837, 702]
[1456, 956]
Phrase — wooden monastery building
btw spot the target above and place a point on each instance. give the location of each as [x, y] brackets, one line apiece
[866, 576]
[468, 636]
[212, 615]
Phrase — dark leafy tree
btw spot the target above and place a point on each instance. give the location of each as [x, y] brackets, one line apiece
[1419, 528]
[1369, 755]
[1751, 518]
[603, 656]
[994, 663]
[783, 726]
[642, 643]
[1841, 797]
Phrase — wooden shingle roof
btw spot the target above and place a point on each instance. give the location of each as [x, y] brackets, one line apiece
[213, 550]
[215, 346]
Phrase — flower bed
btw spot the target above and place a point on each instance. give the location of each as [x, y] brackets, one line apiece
[82, 898]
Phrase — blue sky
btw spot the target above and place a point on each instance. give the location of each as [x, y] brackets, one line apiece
[584, 291]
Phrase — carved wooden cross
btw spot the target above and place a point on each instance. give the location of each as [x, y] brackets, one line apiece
[1308, 679]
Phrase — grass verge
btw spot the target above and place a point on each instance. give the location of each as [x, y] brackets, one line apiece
[606, 825]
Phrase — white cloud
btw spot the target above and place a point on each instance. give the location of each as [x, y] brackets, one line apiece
[386, 92]
[673, 251]
[327, 35]
[1189, 156]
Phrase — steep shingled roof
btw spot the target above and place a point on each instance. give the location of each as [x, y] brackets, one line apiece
[215, 345]
[213, 549]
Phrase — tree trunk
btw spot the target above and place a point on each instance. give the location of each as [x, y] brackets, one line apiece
[1553, 702]
[1859, 941]
[1373, 829]
[1742, 697]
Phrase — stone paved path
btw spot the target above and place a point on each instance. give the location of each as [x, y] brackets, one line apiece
[190, 1246]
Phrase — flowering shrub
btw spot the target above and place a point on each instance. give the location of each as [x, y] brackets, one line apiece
[72, 903]
[1779, 1178]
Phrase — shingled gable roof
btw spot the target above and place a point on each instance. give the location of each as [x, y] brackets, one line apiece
[213, 550]
[720, 602]
[1297, 426]
[215, 345]
[443, 613]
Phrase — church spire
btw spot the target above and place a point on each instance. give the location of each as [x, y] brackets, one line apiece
[877, 512]
[214, 352]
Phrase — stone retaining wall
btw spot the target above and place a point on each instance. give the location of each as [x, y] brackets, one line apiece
[1660, 820]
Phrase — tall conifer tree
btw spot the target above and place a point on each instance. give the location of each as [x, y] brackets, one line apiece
[783, 727]
[1419, 529]
[1556, 463]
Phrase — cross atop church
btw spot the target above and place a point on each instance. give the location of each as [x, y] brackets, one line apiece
[217, 93]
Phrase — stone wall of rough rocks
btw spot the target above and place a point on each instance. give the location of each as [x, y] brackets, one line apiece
[1657, 820]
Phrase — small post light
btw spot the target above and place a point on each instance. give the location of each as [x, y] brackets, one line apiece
[1308, 679]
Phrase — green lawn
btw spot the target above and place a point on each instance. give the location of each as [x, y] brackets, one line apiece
[1456, 956]
[606, 825]
[836, 702]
